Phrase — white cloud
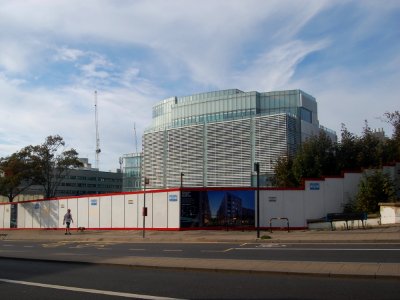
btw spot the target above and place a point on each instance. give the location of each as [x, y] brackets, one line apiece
[68, 54]
[54, 54]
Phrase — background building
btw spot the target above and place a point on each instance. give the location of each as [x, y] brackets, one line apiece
[131, 169]
[81, 181]
[214, 138]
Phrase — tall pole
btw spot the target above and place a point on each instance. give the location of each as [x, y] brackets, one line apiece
[182, 179]
[144, 210]
[97, 130]
[257, 169]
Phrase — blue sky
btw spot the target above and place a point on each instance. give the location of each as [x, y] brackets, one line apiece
[54, 54]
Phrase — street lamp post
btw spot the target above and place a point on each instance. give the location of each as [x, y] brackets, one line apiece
[257, 169]
[144, 210]
[182, 179]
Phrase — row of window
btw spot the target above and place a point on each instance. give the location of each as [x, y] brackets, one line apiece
[223, 116]
[91, 178]
[77, 184]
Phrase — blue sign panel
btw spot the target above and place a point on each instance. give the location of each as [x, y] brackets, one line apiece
[314, 186]
[37, 205]
[173, 197]
[93, 202]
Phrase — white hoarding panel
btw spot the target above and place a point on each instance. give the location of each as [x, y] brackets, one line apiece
[82, 215]
[73, 206]
[350, 184]
[21, 216]
[36, 214]
[160, 210]
[131, 210]
[314, 199]
[105, 211]
[145, 200]
[27, 206]
[271, 206]
[2, 210]
[49, 214]
[118, 211]
[294, 207]
[3, 222]
[333, 195]
[6, 215]
[94, 212]
[173, 211]
[62, 210]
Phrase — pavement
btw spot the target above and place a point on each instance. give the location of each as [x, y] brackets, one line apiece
[381, 234]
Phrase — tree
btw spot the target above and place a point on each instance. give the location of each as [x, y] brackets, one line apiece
[394, 120]
[374, 188]
[320, 156]
[371, 149]
[284, 176]
[51, 163]
[347, 152]
[17, 175]
[315, 158]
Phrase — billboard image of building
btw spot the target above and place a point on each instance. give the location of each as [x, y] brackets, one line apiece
[217, 208]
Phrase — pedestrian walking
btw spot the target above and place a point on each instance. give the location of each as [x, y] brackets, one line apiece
[68, 220]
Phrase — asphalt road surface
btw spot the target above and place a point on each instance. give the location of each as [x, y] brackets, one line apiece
[22, 279]
[374, 252]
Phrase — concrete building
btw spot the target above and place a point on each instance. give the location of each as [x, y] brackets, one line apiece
[215, 138]
[81, 181]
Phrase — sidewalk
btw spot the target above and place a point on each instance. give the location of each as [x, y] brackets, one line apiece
[377, 234]
[374, 235]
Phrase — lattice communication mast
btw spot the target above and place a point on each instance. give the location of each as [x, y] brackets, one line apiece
[97, 130]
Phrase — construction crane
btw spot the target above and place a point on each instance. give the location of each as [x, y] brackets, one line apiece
[97, 131]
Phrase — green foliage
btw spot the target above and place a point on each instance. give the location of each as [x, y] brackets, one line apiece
[17, 174]
[315, 158]
[284, 175]
[348, 150]
[374, 188]
[394, 120]
[51, 163]
[319, 156]
[44, 165]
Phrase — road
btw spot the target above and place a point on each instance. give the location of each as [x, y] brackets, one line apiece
[20, 279]
[323, 252]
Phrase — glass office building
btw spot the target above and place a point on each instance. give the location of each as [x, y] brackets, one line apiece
[215, 138]
[132, 169]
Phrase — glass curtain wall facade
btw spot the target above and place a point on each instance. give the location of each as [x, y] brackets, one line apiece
[214, 138]
[132, 167]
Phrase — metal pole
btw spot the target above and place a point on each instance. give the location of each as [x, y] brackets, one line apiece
[144, 205]
[144, 211]
[182, 179]
[257, 169]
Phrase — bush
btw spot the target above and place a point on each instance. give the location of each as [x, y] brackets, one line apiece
[374, 188]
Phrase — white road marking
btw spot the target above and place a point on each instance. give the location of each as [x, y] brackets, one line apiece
[82, 290]
[270, 245]
[7, 245]
[219, 251]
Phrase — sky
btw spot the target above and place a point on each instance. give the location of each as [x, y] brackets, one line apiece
[54, 54]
